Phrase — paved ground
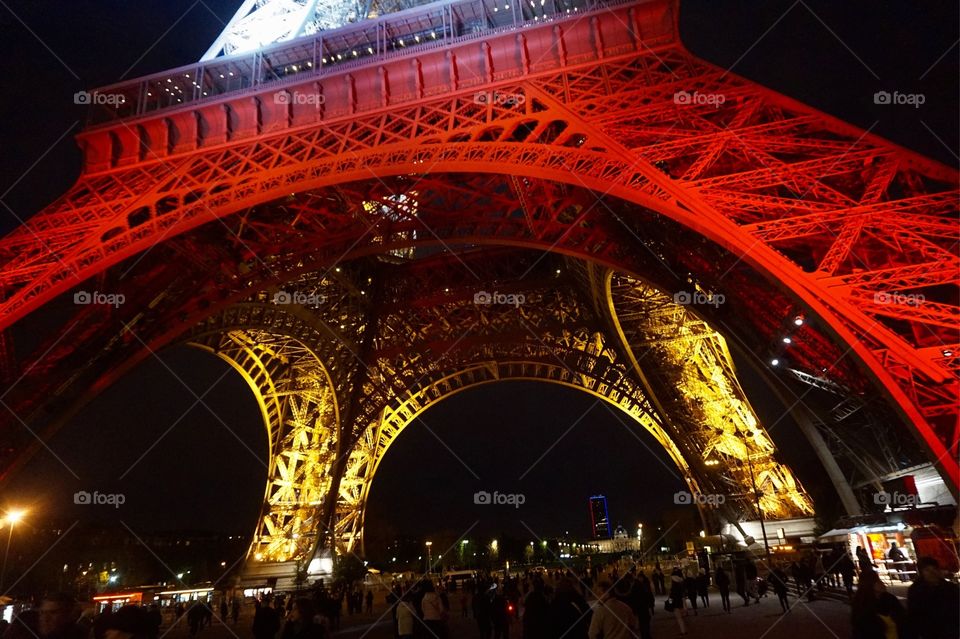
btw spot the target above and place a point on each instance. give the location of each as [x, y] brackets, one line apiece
[821, 619]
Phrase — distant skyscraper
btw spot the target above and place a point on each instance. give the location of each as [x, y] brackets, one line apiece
[599, 517]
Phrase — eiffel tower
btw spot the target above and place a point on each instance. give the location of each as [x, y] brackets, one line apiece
[366, 216]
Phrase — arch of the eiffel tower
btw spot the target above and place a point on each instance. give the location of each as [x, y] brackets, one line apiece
[365, 220]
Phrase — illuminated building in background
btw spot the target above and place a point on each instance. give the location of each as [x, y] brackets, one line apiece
[599, 517]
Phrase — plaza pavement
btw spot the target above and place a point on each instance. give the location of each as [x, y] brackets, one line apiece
[821, 619]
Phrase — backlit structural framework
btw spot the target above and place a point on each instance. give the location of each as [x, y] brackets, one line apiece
[368, 220]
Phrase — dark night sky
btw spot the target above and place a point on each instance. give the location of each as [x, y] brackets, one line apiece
[832, 55]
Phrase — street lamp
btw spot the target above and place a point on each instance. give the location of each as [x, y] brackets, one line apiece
[429, 560]
[12, 518]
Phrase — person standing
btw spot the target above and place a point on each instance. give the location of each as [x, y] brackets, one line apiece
[897, 557]
[750, 580]
[569, 612]
[406, 618]
[846, 569]
[932, 603]
[195, 618]
[819, 572]
[154, 621]
[636, 593]
[58, 616]
[612, 618]
[432, 607]
[500, 613]
[674, 602]
[722, 580]
[535, 615]
[703, 588]
[301, 623]
[778, 581]
[740, 576]
[658, 580]
[875, 613]
[266, 620]
[483, 609]
[235, 610]
[863, 560]
[690, 587]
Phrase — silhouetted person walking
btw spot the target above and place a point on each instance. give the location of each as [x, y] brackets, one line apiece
[875, 613]
[932, 603]
[722, 580]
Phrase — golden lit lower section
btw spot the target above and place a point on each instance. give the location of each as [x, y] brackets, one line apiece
[580, 360]
[690, 375]
[297, 401]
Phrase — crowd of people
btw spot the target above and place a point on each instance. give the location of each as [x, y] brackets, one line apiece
[607, 603]
[616, 601]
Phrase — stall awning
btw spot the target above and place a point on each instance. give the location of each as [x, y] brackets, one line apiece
[836, 532]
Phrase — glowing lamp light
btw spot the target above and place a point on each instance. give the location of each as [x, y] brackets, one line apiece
[774, 362]
[798, 320]
[787, 340]
[15, 516]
